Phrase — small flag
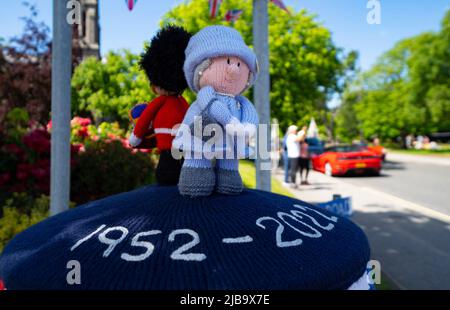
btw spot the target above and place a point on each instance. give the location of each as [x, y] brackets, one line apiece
[130, 4]
[280, 4]
[214, 7]
[233, 15]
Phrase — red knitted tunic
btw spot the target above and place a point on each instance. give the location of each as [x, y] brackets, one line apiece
[162, 114]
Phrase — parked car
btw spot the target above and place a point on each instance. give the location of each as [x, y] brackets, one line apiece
[315, 146]
[346, 159]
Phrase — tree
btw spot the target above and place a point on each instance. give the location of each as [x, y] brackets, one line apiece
[107, 89]
[430, 76]
[25, 70]
[347, 124]
[406, 91]
[305, 65]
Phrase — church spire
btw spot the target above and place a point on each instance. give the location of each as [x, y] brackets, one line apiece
[89, 30]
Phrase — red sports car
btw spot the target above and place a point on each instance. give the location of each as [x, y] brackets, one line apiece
[343, 159]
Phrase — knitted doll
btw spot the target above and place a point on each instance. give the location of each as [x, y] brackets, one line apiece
[153, 238]
[163, 62]
[219, 66]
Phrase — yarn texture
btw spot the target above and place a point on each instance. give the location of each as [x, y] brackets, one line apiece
[155, 239]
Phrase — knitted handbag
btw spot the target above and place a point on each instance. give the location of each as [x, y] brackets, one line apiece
[201, 122]
[153, 238]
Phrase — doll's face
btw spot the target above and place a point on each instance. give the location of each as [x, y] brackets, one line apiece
[226, 74]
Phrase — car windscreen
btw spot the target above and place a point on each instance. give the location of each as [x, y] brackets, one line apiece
[313, 142]
[345, 148]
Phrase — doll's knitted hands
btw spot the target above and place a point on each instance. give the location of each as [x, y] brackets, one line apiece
[205, 96]
[134, 141]
[249, 129]
[235, 127]
[244, 130]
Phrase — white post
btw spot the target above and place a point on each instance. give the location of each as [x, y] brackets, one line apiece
[60, 114]
[262, 89]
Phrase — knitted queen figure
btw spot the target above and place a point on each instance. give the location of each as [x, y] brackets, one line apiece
[219, 66]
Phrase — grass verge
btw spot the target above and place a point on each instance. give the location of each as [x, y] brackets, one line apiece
[444, 151]
[247, 171]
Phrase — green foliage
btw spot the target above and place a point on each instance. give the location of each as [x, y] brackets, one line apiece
[25, 69]
[20, 212]
[305, 65]
[442, 151]
[16, 123]
[438, 102]
[14, 221]
[110, 130]
[103, 162]
[107, 89]
[106, 168]
[247, 171]
[406, 91]
[347, 125]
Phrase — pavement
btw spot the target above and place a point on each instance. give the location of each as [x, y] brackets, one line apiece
[409, 238]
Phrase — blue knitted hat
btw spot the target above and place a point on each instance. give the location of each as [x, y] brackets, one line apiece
[153, 238]
[215, 41]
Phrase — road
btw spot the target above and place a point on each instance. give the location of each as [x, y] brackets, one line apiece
[405, 214]
[425, 184]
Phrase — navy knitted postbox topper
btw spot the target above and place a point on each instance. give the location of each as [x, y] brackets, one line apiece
[154, 238]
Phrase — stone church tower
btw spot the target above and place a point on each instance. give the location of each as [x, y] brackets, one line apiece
[89, 29]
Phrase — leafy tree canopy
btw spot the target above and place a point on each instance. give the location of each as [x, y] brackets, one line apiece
[108, 88]
[305, 65]
[406, 91]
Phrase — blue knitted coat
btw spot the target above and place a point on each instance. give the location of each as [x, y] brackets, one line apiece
[155, 239]
[221, 109]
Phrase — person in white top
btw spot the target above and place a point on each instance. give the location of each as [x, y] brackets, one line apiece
[293, 152]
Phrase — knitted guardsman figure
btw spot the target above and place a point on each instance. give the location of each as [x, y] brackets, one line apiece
[163, 62]
[219, 66]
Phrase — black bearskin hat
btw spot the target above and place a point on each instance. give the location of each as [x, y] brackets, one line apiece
[163, 60]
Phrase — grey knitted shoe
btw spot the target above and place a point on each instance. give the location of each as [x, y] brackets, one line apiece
[229, 182]
[196, 182]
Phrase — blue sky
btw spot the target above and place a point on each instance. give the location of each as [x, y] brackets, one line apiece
[345, 18]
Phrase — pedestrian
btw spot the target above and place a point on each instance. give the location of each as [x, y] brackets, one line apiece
[285, 159]
[304, 161]
[409, 141]
[293, 152]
